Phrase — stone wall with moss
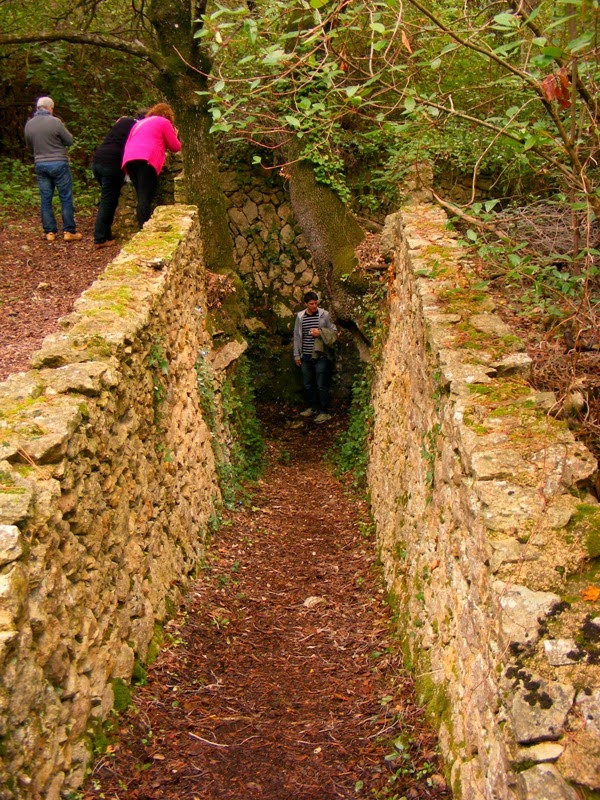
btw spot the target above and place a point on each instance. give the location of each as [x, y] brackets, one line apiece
[487, 533]
[108, 484]
[271, 250]
[276, 268]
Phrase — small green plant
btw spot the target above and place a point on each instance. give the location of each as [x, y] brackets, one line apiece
[429, 452]
[351, 453]
[159, 365]
[140, 674]
[239, 445]
[18, 186]
[122, 695]
[285, 457]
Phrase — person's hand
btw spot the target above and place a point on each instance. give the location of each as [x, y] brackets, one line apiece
[298, 362]
[315, 332]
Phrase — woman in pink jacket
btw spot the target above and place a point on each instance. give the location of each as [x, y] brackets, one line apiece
[145, 152]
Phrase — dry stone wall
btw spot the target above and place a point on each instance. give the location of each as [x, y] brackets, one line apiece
[107, 486]
[484, 527]
[271, 251]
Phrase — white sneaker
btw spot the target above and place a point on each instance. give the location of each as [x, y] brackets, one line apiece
[308, 412]
[322, 417]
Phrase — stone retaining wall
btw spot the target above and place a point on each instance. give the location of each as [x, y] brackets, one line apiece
[107, 485]
[485, 532]
[272, 253]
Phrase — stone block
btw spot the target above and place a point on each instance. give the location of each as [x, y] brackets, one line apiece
[11, 545]
[522, 611]
[545, 781]
[507, 506]
[580, 762]
[561, 652]
[588, 705]
[491, 324]
[14, 590]
[539, 710]
[542, 753]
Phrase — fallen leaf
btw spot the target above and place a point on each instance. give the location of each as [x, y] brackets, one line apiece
[591, 594]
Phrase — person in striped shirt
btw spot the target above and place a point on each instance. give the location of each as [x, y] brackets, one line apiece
[311, 324]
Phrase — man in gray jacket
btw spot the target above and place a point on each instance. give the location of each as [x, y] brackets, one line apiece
[48, 139]
[314, 332]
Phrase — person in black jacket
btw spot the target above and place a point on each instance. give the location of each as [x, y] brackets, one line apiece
[106, 166]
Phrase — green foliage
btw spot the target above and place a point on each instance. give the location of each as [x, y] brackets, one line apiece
[139, 676]
[367, 88]
[237, 440]
[351, 455]
[159, 366]
[239, 413]
[19, 189]
[551, 282]
[122, 695]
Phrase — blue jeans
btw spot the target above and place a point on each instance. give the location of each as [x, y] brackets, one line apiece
[56, 175]
[315, 377]
[111, 181]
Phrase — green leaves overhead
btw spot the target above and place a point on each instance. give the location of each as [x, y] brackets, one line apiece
[488, 88]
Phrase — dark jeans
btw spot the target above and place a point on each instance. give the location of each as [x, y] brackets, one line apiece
[144, 178]
[316, 375]
[110, 181]
[53, 175]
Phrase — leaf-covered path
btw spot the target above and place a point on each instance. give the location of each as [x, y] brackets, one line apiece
[280, 678]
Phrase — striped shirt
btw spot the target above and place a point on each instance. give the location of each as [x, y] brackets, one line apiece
[308, 323]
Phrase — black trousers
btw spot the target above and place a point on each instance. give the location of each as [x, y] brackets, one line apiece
[145, 179]
[111, 181]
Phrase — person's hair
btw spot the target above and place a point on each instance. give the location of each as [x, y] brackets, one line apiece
[310, 296]
[162, 110]
[45, 102]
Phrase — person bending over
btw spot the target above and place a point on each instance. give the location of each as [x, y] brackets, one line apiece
[145, 153]
[107, 169]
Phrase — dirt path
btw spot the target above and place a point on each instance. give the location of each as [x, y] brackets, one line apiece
[39, 282]
[281, 679]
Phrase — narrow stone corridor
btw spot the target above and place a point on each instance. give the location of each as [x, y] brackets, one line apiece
[280, 677]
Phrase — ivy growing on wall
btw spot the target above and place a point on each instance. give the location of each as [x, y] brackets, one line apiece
[230, 415]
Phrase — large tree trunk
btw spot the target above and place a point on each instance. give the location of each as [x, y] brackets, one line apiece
[333, 235]
[181, 81]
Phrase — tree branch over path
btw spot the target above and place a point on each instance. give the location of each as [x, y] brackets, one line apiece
[135, 48]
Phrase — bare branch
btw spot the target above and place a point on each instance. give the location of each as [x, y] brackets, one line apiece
[135, 48]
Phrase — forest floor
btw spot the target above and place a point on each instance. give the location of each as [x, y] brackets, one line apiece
[39, 282]
[281, 676]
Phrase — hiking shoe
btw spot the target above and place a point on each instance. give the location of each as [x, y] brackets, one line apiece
[50, 237]
[308, 412]
[322, 417]
[71, 237]
[107, 243]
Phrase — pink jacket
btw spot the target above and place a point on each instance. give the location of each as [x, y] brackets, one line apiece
[149, 140]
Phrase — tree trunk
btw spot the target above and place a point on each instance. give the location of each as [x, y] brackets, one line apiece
[333, 235]
[185, 76]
